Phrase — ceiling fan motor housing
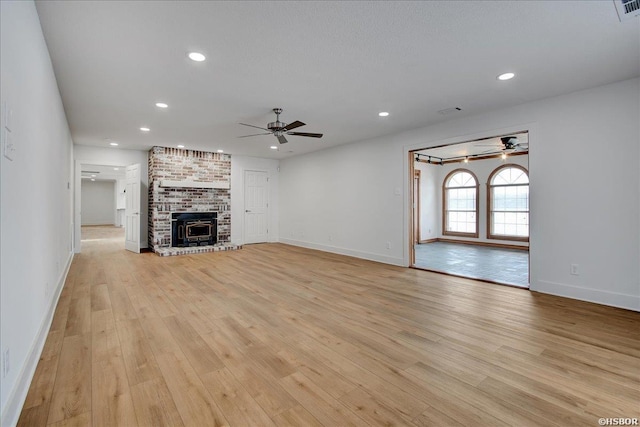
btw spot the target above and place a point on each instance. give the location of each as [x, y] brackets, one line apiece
[509, 142]
[277, 125]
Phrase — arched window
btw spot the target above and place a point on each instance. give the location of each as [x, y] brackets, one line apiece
[508, 216]
[460, 204]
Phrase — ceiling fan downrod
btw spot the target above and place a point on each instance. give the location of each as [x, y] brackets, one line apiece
[277, 125]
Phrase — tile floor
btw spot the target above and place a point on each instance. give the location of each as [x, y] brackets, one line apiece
[508, 266]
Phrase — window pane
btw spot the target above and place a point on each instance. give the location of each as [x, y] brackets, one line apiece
[510, 223]
[522, 230]
[460, 209]
[510, 175]
[509, 218]
[509, 202]
[461, 179]
[522, 178]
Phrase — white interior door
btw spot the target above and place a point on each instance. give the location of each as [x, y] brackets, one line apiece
[256, 204]
[132, 209]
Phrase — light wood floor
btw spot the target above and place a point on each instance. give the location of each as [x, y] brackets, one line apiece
[278, 335]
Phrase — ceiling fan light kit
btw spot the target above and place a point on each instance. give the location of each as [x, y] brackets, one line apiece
[280, 129]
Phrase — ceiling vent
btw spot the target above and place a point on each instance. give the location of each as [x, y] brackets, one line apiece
[451, 110]
[627, 9]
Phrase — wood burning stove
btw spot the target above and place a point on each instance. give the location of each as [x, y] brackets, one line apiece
[194, 229]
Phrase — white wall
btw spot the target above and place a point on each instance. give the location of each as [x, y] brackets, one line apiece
[346, 200]
[121, 196]
[121, 201]
[430, 205]
[585, 189]
[35, 201]
[239, 164]
[85, 155]
[482, 169]
[98, 202]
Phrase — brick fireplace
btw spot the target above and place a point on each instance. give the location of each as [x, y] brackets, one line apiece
[188, 181]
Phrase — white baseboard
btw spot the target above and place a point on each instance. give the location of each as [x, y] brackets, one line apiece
[342, 251]
[11, 412]
[629, 302]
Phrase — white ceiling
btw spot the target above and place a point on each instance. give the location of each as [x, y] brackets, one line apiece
[332, 65]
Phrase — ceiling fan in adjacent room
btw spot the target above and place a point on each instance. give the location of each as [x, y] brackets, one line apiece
[507, 144]
[280, 129]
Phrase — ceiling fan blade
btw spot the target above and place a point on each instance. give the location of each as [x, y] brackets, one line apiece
[312, 135]
[255, 134]
[293, 125]
[257, 127]
[282, 139]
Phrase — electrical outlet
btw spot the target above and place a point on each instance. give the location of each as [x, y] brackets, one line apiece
[388, 245]
[5, 362]
[575, 269]
[330, 238]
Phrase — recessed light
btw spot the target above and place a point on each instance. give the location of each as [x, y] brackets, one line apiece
[197, 56]
[145, 129]
[383, 114]
[506, 76]
[220, 151]
[274, 147]
[113, 144]
[92, 179]
[93, 176]
[504, 156]
[180, 146]
[161, 105]
[116, 169]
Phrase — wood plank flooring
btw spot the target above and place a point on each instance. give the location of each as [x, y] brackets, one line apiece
[275, 335]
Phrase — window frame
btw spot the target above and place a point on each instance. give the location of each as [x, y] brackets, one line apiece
[445, 232]
[490, 234]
